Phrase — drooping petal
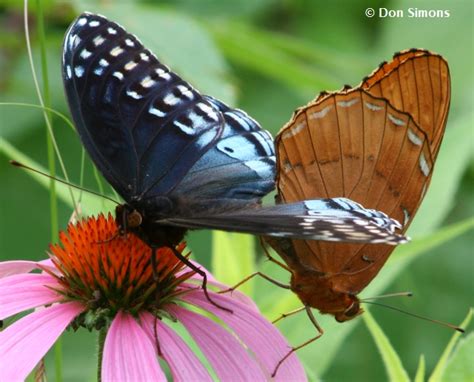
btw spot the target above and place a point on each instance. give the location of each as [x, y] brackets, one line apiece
[8, 268]
[225, 353]
[26, 291]
[183, 363]
[263, 339]
[129, 355]
[25, 342]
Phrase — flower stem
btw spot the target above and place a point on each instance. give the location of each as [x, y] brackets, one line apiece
[100, 341]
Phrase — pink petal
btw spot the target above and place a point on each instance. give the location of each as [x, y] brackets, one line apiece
[183, 363]
[26, 291]
[129, 355]
[225, 353]
[263, 339]
[8, 268]
[24, 343]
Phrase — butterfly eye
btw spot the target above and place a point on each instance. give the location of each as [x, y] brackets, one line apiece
[134, 219]
[352, 311]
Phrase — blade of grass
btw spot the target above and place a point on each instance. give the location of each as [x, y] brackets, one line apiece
[460, 366]
[437, 374]
[420, 372]
[248, 49]
[393, 364]
[233, 258]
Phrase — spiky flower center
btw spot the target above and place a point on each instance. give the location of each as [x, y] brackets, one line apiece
[109, 272]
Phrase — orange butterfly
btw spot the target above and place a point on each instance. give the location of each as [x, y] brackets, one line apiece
[375, 144]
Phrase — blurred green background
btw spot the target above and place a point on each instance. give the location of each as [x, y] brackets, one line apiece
[267, 57]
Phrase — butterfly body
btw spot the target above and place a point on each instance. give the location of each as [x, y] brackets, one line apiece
[375, 144]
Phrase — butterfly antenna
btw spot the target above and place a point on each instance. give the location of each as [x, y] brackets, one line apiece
[388, 295]
[446, 324]
[24, 166]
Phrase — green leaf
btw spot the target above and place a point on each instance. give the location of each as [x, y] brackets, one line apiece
[233, 258]
[391, 360]
[90, 204]
[441, 366]
[460, 366]
[253, 49]
[420, 372]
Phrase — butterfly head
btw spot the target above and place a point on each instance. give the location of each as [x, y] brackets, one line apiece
[127, 218]
[319, 291]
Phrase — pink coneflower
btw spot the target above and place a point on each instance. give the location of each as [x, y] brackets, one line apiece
[99, 281]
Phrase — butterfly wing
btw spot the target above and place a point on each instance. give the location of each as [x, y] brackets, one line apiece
[416, 81]
[241, 164]
[337, 219]
[148, 131]
[359, 146]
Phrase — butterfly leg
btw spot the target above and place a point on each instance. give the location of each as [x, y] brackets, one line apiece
[268, 278]
[291, 313]
[251, 276]
[320, 333]
[157, 341]
[271, 258]
[201, 273]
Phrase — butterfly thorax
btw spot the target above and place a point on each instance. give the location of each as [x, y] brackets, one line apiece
[319, 291]
[132, 219]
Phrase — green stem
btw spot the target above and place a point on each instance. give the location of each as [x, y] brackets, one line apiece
[53, 203]
[101, 341]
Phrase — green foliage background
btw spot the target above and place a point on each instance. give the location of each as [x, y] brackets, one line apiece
[267, 57]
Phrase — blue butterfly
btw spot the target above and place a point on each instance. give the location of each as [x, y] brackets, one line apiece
[183, 160]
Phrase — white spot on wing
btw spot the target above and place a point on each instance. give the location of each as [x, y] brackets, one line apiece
[130, 65]
[147, 82]
[134, 94]
[171, 100]
[116, 51]
[208, 110]
[320, 114]
[157, 112]
[144, 57]
[425, 168]
[406, 215]
[68, 72]
[129, 42]
[111, 30]
[82, 21]
[372, 106]
[94, 23]
[293, 131]
[185, 91]
[103, 62]
[348, 103]
[79, 71]
[395, 120]
[85, 54]
[184, 128]
[98, 40]
[414, 138]
[118, 75]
